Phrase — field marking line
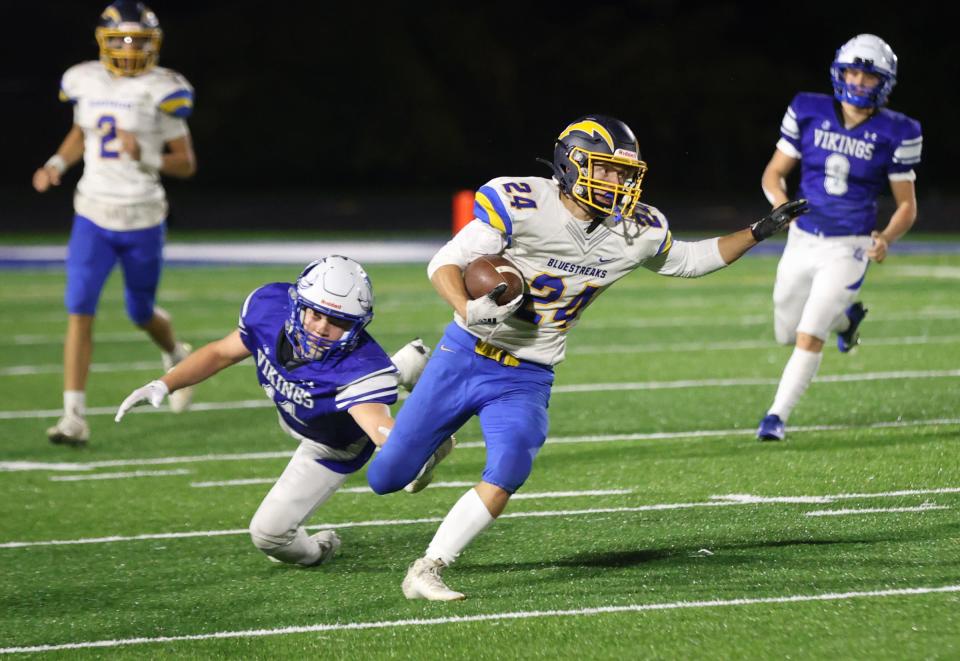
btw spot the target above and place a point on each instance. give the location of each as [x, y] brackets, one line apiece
[746, 498]
[714, 501]
[557, 390]
[577, 350]
[118, 476]
[17, 466]
[877, 510]
[490, 617]
[597, 324]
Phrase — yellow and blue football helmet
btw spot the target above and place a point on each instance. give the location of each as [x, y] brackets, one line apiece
[599, 140]
[129, 37]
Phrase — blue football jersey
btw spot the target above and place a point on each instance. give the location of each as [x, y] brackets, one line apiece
[842, 171]
[313, 398]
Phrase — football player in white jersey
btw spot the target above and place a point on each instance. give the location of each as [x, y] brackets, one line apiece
[571, 237]
[849, 147]
[129, 127]
[332, 385]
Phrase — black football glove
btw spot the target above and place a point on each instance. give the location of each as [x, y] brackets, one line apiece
[777, 219]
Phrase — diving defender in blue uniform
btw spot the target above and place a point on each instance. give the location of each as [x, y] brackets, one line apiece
[332, 385]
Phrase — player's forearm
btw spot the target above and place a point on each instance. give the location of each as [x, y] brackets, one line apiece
[448, 281]
[71, 149]
[733, 246]
[199, 366]
[179, 165]
[774, 186]
[901, 221]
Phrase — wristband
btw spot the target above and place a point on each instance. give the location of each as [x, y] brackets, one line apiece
[57, 163]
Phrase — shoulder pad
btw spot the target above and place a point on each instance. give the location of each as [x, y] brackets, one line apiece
[72, 82]
[174, 93]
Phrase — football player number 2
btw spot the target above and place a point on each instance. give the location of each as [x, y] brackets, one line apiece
[544, 290]
[837, 169]
[107, 125]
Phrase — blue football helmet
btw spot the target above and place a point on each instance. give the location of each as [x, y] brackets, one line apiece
[869, 53]
[593, 140]
[337, 287]
[129, 37]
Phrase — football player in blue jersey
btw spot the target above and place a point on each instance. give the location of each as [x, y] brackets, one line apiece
[332, 385]
[129, 128]
[570, 237]
[850, 147]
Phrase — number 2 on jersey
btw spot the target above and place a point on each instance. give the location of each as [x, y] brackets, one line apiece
[107, 125]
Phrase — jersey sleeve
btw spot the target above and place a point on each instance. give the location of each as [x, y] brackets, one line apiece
[489, 208]
[475, 239]
[245, 335]
[789, 142]
[70, 84]
[379, 387]
[907, 153]
[175, 96]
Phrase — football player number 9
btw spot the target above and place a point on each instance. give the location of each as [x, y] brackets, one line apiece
[107, 125]
[837, 169]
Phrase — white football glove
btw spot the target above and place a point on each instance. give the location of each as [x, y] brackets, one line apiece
[152, 393]
[410, 361]
[484, 311]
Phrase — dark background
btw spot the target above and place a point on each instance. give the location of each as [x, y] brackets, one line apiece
[353, 116]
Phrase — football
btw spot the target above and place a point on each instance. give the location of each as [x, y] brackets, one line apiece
[485, 273]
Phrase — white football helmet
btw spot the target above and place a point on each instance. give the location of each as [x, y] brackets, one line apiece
[869, 53]
[335, 286]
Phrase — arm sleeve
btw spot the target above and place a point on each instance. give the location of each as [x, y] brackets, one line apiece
[377, 387]
[688, 259]
[907, 153]
[475, 239]
[789, 142]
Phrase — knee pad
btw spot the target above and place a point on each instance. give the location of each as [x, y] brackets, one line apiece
[509, 470]
[140, 309]
[267, 539]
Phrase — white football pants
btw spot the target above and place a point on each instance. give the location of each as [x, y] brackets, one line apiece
[277, 527]
[818, 278]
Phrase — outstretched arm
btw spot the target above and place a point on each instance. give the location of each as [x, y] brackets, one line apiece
[198, 366]
[374, 419]
[688, 259]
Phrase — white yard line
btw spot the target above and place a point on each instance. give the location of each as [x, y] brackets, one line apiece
[118, 476]
[575, 350]
[747, 498]
[735, 500]
[558, 390]
[597, 324]
[16, 466]
[878, 510]
[489, 617]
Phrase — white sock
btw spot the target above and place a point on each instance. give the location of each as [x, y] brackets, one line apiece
[797, 375]
[75, 402]
[466, 519]
[302, 550]
[172, 358]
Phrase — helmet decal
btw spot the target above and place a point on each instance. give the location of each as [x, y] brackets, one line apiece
[592, 129]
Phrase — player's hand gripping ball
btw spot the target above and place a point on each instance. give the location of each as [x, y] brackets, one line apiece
[486, 273]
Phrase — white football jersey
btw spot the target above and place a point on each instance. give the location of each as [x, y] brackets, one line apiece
[153, 106]
[565, 268]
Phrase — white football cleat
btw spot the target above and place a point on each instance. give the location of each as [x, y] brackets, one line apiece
[410, 360]
[70, 430]
[329, 543]
[425, 476]
[179, 399]
[423, 582]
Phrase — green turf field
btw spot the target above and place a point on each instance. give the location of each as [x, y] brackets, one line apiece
[653, 526]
